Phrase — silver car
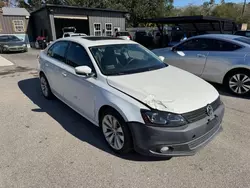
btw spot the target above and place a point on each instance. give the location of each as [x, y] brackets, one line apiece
[219, 58]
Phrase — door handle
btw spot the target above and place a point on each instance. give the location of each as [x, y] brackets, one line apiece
[201, 55]
[64, 74]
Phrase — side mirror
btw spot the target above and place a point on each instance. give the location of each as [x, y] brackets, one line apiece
[162, 58]
[83, 70]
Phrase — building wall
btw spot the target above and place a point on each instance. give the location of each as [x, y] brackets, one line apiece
[41, 21]
[116, 19]
[45, 20]
[6, 24]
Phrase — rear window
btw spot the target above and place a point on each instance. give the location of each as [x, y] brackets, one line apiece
[243, 40]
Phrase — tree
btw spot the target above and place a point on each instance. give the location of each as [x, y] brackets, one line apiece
[2, 4]
[138, 9]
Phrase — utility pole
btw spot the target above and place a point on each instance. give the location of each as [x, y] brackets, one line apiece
[244, 7]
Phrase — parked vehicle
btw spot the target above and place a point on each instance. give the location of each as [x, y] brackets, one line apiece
[138, 101]
[243, 33]
[41, 42]
[123, 35]
[144, 38]
[218, 58]
[11, 43]
[71, 32]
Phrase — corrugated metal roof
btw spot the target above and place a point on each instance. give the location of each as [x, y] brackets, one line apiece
[8, 11]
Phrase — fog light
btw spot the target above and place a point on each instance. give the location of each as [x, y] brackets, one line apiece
[164, 149]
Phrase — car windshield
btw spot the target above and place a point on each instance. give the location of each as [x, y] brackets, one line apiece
[8, 38]
[119, 59]
[243, 39]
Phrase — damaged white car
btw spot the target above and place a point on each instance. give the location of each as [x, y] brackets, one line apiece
[138, 101]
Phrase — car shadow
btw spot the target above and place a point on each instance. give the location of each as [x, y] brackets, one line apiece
[71, 121]
[223, 91]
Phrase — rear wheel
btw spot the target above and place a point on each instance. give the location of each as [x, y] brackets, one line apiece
[45, 87]
[238, 82]
[116, 132]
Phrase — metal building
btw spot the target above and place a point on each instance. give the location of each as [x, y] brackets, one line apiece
[13, 20]
[49, 21]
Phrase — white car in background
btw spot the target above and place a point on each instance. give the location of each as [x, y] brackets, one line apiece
[137, 100]
[72, 34]
[123, 35]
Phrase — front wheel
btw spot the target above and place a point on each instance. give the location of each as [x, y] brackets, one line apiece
[116, 132]
[238, 83]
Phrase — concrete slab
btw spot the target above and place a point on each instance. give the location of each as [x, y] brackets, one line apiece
[4, 62]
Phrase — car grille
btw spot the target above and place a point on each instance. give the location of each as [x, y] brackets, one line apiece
[200, 113]
[15, 48]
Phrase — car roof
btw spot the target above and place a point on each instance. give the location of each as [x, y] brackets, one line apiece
[88, 41]
[218, 36]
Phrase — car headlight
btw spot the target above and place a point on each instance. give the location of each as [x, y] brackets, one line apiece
[24, 45]
[5, 46]
[165, 119]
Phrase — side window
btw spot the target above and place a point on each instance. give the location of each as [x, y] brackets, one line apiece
[194, 45]
[225, 46]
[247, 34]
[241, 33]
[57, 51]
[77, 56]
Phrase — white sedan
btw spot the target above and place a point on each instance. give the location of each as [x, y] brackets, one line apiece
[138, 101]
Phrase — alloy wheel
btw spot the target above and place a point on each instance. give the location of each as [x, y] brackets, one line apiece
[113, 132]
[44, 86]
[240, 83]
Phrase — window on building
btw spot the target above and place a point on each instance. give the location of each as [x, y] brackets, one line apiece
[108, 29]
[97, 29]
[18, 25]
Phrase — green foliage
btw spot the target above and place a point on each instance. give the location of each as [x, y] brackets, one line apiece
[138, 9]
[224, 10]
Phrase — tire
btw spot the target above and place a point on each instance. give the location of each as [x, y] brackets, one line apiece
[238, 82]
[45, 87]
[116, 132]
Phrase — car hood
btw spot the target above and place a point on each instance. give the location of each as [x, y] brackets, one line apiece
[168, 89]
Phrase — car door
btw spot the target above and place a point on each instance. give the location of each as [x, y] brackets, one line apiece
[191, 55]
[54, 63]
[80, 90]
[222, 55]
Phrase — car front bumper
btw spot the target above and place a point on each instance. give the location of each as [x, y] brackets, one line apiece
[181, 141]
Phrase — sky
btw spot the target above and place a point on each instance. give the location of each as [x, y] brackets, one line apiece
[181, 3]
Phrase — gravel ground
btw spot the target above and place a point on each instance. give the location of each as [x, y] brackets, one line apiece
[46, 144]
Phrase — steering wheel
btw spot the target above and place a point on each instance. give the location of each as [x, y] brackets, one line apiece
[131, 59]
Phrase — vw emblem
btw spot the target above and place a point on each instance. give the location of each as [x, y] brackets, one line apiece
[210, 110]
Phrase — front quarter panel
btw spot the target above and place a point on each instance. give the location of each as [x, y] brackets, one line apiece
[128, 107]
